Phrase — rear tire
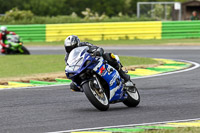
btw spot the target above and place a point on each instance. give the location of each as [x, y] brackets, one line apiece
[101, 104]
[133, 98]
[25, 50]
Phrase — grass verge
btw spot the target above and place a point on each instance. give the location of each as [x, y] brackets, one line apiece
[135, 42]
[177, 130]
[22, 65]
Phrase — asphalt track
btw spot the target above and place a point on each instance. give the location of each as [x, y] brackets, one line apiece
[48, 109]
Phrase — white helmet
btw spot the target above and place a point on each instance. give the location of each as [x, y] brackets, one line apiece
[3, 30]
[71, 42]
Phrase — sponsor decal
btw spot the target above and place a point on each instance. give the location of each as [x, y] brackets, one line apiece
[98, 65]
[114, 90]
[101, 70]
[113, 79]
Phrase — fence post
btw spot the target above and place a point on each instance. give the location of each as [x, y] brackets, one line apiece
[138, 10]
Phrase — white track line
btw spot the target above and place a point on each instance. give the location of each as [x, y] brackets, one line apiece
[196, 65]
[129, 125]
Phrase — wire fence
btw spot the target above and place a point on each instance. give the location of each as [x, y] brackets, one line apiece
[159, 10]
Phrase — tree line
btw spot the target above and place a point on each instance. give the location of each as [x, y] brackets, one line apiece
[67, 7]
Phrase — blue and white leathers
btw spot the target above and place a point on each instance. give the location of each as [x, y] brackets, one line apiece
[80, 61]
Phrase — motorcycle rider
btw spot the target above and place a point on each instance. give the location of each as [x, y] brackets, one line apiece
[3, 35]
[73, 41]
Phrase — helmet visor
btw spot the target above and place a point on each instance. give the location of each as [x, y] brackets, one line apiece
[68, 49]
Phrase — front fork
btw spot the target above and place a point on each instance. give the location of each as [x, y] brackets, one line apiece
[20, 49]
[99, 84]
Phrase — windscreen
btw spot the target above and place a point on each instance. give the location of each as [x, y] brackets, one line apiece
[75, 55]
[76, 58]
[13, 38]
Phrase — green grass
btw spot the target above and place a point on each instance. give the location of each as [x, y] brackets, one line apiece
[129, 61]
[124, 42]
[22, 65]
[177, 130]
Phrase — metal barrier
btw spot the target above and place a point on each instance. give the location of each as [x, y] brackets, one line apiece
[29, 33]
[180, 29]
[105, 31]
[109, 31]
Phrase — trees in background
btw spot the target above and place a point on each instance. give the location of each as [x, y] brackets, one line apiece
[67, 7]
[64, 7]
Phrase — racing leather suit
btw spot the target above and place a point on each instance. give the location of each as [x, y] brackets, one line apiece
[3, 39]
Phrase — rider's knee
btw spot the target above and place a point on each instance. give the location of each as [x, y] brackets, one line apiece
[111, 60]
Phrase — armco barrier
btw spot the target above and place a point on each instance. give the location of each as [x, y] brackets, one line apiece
[180, 29]
[105, 31]
[109, 30]
[29, 33]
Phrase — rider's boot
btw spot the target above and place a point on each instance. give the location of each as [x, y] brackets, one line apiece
[125, 76]
[128, 83]
[73, 87]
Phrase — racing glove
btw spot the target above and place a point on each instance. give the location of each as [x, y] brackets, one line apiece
[99, 52]
[8, 46]
[96, 51]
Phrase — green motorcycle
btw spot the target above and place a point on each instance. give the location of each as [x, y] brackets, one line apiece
[15, 45]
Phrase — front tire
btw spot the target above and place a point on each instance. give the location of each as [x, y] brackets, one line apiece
[133, 98]
[25, 50]
[98, 99]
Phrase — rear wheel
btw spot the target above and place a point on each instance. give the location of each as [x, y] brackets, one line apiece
[133, 97]
[95, 95]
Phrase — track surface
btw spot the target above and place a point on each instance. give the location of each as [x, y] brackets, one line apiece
[164, 98]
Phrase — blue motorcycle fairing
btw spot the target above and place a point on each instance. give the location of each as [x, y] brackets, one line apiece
[116, 90]
[81, 67]
[96, 64]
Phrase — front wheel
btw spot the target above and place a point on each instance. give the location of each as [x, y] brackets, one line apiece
[95, 95]
[133, 97]
[25, 50]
